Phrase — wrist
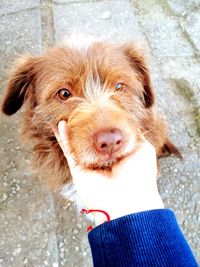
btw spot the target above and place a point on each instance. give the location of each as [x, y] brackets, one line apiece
[118, 210]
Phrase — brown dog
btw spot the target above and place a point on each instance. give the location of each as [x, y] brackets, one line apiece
[105, 94]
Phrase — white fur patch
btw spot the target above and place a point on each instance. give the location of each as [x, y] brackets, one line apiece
[95, 92]
[69, 192]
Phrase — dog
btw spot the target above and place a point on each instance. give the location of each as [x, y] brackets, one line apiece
[103, 91]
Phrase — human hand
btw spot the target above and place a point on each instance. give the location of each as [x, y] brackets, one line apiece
[129, 187]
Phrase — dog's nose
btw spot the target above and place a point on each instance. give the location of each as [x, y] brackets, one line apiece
[108, 141]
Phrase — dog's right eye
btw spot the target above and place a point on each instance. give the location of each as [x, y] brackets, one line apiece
[120, 86]
[64, 94]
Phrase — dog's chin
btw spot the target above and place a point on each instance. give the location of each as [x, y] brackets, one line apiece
[107, 163]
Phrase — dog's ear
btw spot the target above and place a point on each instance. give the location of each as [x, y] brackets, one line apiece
[169, 149]
[19, 85]
[137, 60]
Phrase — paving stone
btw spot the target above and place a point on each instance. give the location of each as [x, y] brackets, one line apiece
[173, 107]
[162, 31]
[24, 218]
[112, 20]
[20, 33]
[26, 206]
[182, 7]
[185, 69]
[10, 6]
[71, 235]
[192, 25]
[75, 1]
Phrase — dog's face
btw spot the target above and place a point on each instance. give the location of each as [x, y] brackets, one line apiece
[104, 92]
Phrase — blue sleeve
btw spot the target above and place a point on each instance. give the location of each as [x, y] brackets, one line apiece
[149, 238]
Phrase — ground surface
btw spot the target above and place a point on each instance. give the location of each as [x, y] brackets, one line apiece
[40, 229]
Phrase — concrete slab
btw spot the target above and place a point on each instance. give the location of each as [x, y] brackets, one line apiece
[75, 1]
[183, 7]
[112, 20]
[27, 209]
[187, 69]
[162, 31]
[20, 33]
[10, 6]
[71, 235]
[191, 25]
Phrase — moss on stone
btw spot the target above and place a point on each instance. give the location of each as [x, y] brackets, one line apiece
[186, 91]
[196, 113]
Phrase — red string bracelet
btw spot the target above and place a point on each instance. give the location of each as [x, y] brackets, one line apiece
[89, 228]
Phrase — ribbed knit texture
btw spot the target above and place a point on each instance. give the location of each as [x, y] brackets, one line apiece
[149, 238]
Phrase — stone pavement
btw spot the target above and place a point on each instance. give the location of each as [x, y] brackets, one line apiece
[40, 229]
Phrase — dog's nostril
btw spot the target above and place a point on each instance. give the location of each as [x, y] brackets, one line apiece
[103, 145]
[118, 142]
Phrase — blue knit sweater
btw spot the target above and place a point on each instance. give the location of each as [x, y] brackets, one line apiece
[149, 238]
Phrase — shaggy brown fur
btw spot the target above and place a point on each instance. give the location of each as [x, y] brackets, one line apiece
[95, 103]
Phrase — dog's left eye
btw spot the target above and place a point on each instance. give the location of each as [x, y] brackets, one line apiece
[64, 94]
[120, 86]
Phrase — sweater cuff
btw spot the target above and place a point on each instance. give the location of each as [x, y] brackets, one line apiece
[149, 238]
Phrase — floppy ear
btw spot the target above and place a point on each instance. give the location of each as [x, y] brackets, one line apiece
[137, 61]
[169, 149]
[19, 85]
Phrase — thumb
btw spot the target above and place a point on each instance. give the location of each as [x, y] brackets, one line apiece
[62, 137]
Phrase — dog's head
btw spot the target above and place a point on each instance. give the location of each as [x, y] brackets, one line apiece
[103, 91]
